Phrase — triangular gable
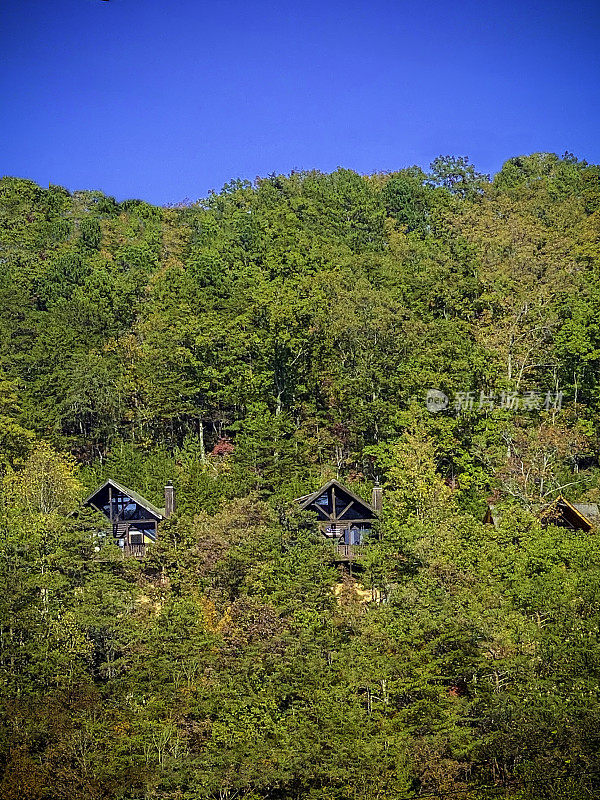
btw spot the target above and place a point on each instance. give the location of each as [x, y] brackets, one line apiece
[354, 506]
[99, 498]
[491, 516]
[561, 512]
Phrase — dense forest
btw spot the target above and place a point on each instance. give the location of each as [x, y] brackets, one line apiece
[248, 347]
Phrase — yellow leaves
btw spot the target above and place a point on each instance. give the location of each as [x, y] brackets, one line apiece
[417, 489]
[46, 484]
[398, 241]
[209, 614]
[69, 637]
[225, 622]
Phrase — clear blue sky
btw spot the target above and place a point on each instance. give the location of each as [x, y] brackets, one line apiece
[166, 99]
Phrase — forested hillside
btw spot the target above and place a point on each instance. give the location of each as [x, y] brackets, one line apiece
[248, 347]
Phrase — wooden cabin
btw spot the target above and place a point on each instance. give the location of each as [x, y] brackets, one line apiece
[342, 516]
[560, 512]
[574, 516]
[491, 516]
[133, 519]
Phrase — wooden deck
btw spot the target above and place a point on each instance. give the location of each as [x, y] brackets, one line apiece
[134, 550]
[347, 552]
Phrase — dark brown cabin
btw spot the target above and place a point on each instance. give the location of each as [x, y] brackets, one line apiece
[342, 516]
[134, 520]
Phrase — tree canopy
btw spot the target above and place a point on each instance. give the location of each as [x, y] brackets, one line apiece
[249, 346]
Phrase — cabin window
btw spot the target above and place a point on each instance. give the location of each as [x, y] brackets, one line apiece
[145, 531]
[340, 504]
[354, 512]
[124, 508]
[353, 535]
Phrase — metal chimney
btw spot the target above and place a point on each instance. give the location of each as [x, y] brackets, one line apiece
[169, 499]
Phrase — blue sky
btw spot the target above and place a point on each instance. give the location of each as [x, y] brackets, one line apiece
[167, 99]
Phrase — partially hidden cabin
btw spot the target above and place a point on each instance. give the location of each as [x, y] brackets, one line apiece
[342, 515]
[574, 516]
[133, 519]
[560, 512]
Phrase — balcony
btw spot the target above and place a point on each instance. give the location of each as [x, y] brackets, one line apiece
[134, 551]
[347, 552]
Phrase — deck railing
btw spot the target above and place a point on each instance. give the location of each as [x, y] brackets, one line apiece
[134, 550]
[346, 550]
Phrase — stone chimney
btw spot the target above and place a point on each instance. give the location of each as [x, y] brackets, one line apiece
[169, 499]
[377, 497]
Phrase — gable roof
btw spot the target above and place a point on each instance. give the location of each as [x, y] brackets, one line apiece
[585, 515]
[159, 513]
[589, 511]
[491, 516]
[307, 499]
